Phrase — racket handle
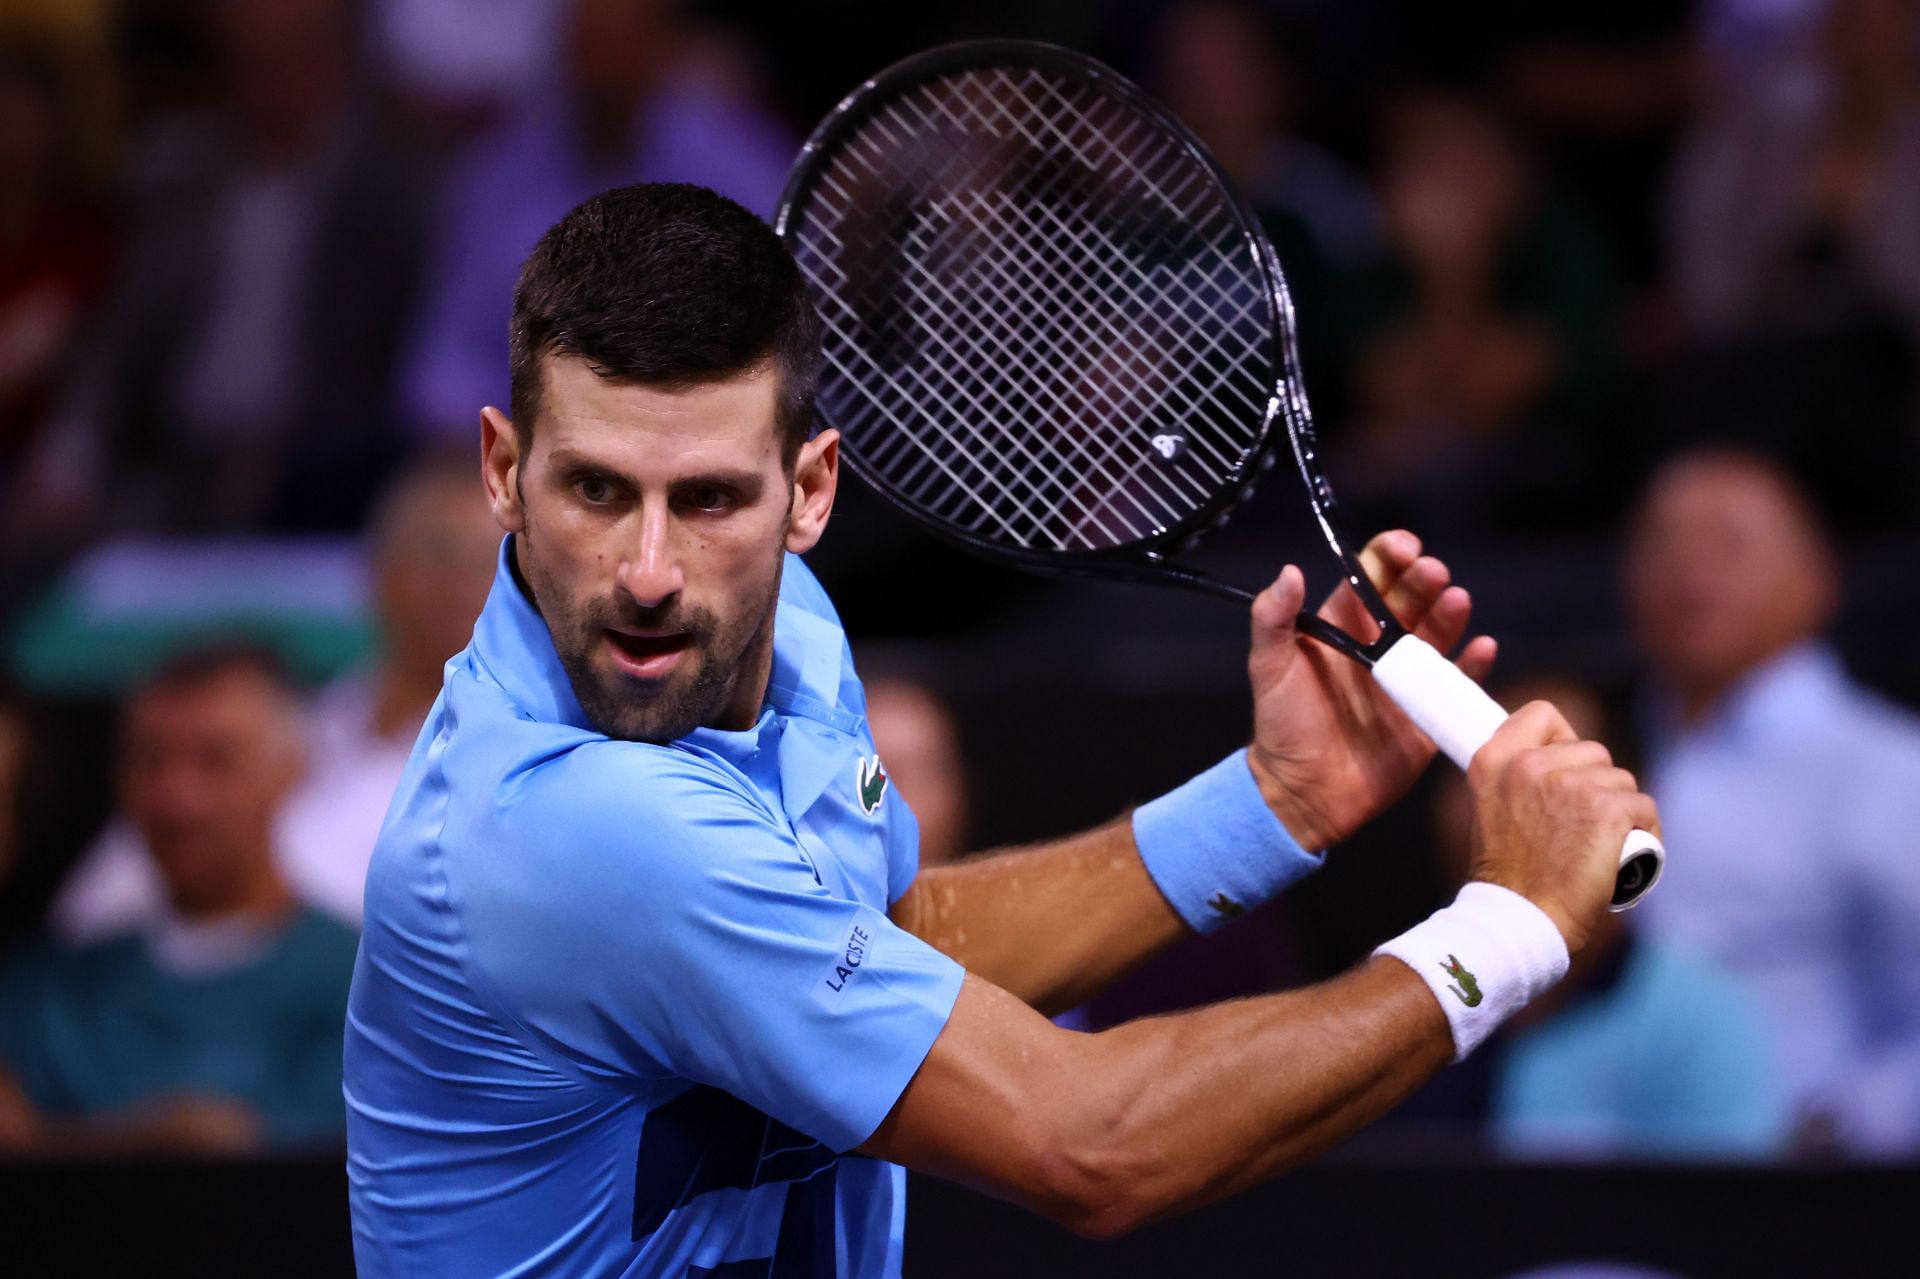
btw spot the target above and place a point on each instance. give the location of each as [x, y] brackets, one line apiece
[1459, 716]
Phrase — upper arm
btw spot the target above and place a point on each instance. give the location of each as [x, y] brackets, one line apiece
[649, 922]
[989, 1104]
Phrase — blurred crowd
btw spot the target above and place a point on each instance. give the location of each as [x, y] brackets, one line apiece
[1641, 275]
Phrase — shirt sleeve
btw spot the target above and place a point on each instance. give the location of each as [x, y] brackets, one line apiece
[640, 917]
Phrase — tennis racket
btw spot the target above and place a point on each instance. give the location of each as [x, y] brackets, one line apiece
[1056, 337]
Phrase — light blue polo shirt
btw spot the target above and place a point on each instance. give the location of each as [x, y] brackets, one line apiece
[619, 1009]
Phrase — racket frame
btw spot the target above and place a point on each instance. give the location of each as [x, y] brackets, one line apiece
[1145, 559]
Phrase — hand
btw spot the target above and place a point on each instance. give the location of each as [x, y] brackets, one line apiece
[1330, 750]
[1550, 813]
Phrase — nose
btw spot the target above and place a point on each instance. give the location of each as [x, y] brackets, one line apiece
[651, 573]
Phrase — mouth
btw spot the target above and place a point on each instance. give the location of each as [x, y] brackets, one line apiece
[647, 656]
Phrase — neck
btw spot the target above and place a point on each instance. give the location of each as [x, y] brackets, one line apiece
[262, 898]
[756, 671]
[1698, 696]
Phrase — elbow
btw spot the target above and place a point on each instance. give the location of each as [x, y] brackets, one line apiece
[1097, 1196]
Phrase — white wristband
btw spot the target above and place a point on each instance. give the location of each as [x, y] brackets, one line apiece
[1484, 958]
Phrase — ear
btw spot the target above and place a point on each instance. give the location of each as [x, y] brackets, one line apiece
[500, 465]
[816, 476]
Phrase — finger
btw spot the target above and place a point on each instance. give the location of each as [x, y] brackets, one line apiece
[1275, 608]
[1578, 756]
[1273, 617]
[1477, 658]
[1416, 590]
[1643, 812]
[1383, 560]
[1536, 724]
[1446, 621]
[1615, 779]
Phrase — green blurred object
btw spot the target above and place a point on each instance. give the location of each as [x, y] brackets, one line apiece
[126, 605]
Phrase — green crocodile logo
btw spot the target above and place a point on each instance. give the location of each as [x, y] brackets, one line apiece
[873, 783]
[1469, 988]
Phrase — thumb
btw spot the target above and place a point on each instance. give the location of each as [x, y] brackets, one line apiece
[1274, 612]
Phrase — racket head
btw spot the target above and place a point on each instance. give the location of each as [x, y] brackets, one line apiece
[891, 212]
[1055, 334]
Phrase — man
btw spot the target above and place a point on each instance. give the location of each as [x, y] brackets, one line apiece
[430, 547]
[1794, 791]
[431, 543]
[218, 1027]
[218, 390]
[648, 985]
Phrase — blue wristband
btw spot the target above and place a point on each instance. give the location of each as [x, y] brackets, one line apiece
[1214, 847]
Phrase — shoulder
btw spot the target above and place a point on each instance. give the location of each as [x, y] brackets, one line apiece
[604, 823]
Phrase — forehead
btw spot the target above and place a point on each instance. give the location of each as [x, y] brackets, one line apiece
[231, 702]
[731, 421]
[1728, 494]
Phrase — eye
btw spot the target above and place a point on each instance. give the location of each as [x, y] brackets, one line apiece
[709, 497]
[594, 490]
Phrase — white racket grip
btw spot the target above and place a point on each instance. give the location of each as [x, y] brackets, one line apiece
[1459, 716]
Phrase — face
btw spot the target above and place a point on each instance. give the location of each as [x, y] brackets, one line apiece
[1724, 570]
[1219, 77]
[432, 574]
[650, 525]
[205, 768]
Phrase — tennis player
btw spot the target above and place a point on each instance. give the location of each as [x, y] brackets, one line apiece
[648, 984]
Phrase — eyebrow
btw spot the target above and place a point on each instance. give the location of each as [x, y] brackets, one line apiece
[745, 481]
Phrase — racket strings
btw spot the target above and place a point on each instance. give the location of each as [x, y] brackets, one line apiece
[1043, 321]
[1018, 354]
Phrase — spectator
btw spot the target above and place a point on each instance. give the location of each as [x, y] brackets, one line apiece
[1226, 76]
[1225, 73]
[1643, 1051]
[919, 744]
[1790, 794]
[218, 1028]
[1794, 249]
[643, 97]
[54, 241]
[1492, 342]
[433, 544]
[239, 376]
[1796, 201]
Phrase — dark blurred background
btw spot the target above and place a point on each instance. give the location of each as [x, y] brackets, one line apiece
[1616, 304]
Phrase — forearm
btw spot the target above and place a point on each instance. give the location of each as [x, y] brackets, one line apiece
[1107, 1132]
[1199, 1106]
[1053, 923]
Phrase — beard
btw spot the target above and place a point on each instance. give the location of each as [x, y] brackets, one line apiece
[696, 692]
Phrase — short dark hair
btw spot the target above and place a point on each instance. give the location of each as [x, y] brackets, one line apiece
[196, 665]
[667, 284]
